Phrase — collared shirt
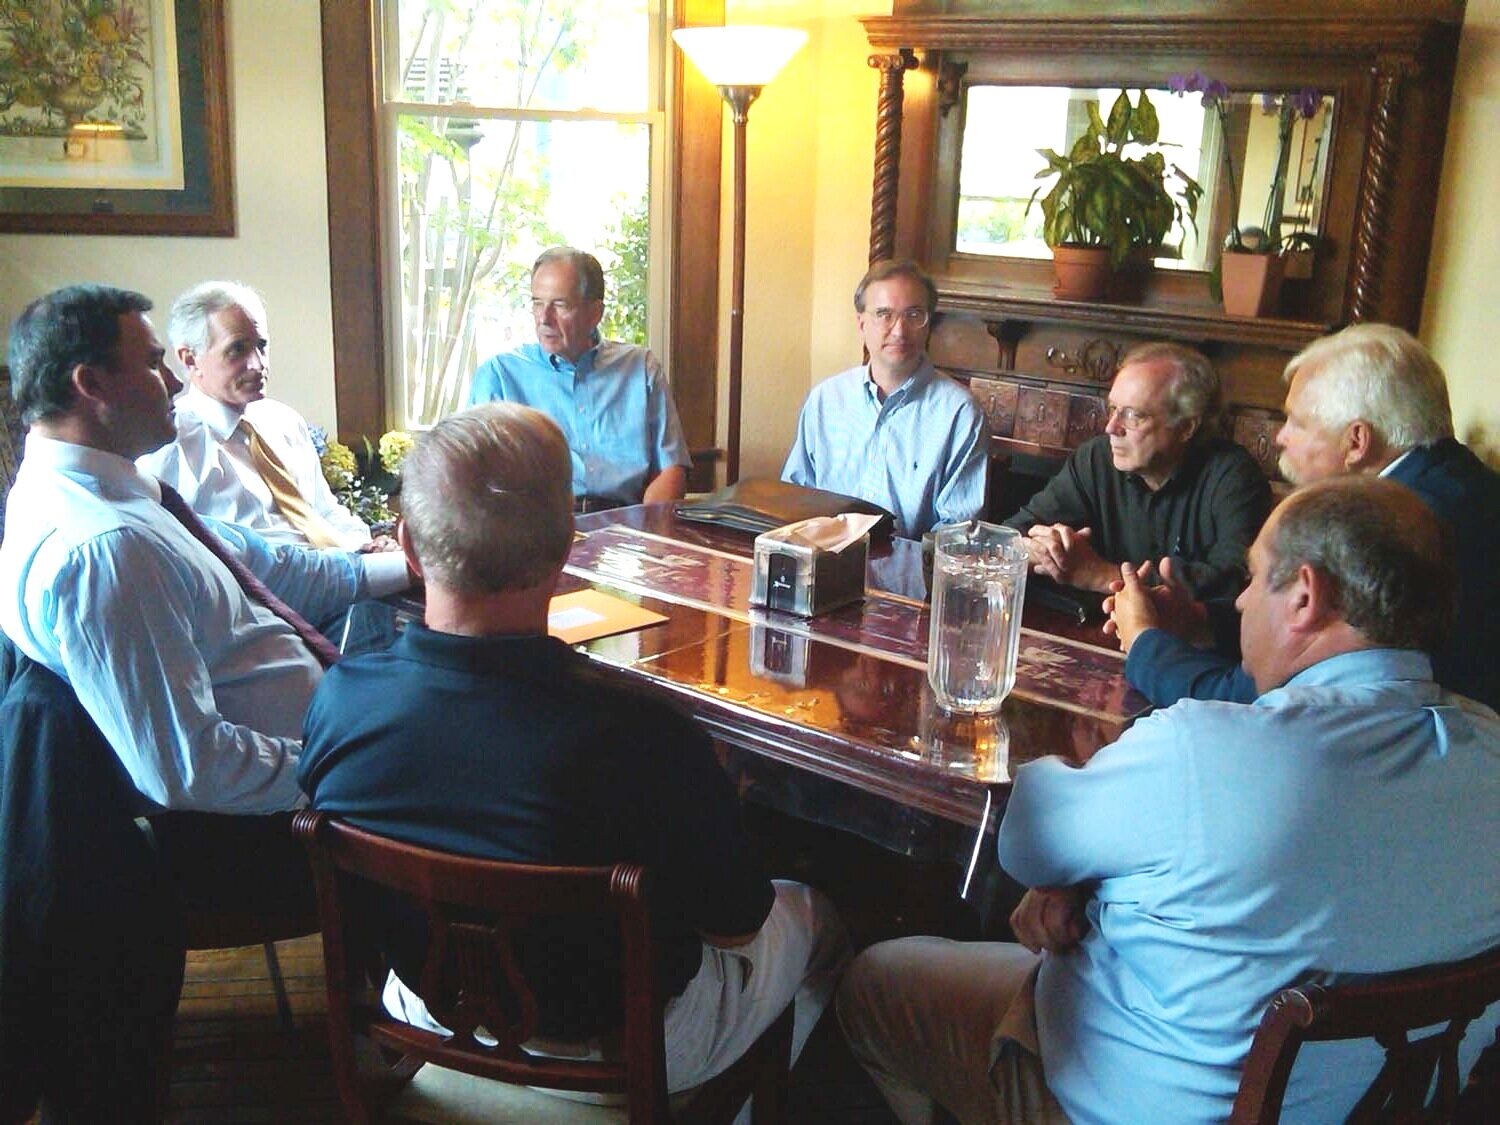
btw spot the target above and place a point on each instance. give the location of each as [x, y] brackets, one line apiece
[614, 406]
[921, 454]
[199, 690]
[1236, 848]
[1204, 517]
[210, 465]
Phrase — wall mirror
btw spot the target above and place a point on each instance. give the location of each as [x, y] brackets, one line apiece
[1277, 144]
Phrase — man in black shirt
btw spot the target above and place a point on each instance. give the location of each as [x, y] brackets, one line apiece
[1156, 484]
[478, 733]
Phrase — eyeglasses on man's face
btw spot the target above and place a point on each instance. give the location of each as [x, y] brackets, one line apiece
[1129, 416]
[914, 317]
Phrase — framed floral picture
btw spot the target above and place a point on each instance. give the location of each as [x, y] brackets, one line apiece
[114, 118]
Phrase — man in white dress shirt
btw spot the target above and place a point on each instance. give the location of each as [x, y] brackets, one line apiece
[247, 459]
[197, 680]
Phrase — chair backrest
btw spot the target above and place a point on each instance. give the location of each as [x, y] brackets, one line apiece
[1386, 1009]
[473, 977]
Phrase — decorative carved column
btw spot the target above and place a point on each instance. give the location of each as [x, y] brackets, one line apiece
[887, 150]
[1373, 222]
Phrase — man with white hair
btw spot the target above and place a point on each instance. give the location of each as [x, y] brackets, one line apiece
[1368, 400]
[239, 456]
[476, 732]
[246, 459]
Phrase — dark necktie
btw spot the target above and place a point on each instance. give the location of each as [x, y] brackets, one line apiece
[254, 588]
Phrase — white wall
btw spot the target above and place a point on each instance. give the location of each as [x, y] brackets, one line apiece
[281, 205]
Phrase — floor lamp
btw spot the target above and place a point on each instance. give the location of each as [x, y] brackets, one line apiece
[740, 61]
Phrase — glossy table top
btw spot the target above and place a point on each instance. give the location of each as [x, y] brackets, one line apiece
[844, 696]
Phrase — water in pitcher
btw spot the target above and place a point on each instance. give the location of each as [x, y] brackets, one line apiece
[979, 581]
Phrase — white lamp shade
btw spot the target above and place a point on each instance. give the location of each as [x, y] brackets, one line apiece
[739, 55]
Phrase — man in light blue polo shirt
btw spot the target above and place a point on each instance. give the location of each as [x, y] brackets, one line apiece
[611, 400]
[895, 431]
[1343, 823]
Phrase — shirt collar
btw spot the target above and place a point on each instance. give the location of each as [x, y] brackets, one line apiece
[118, 478]
[914, 382]
[585, 361]
[1365, 666]
[221, 419]
[1391, 468]
[524, 655]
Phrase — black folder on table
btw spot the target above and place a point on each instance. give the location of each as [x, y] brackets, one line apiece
[759, 505]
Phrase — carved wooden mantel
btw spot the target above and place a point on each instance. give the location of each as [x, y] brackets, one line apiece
[1389, 67]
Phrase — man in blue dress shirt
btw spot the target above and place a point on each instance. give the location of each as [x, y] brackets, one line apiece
[895, 431]
[196, 680]
[1217, 852]
[1368, 400]
[611, 400]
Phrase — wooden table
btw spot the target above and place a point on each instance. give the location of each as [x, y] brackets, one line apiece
[841, 699]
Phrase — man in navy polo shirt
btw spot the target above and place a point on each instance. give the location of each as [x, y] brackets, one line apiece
[478, 733]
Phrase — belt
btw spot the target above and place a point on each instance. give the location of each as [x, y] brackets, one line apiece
[583, 505]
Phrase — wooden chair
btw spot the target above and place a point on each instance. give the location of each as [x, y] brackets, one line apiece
[1385, 1009]
[473, 979]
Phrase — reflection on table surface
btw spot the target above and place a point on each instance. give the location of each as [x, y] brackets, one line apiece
[842, 697]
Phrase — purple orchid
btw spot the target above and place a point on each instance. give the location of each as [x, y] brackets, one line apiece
[1307, 101]
[1304, 103]
[1214, 95]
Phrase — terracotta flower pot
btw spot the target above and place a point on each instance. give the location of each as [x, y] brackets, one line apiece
[1082, 272]
[1128, 282]
[1251, 283]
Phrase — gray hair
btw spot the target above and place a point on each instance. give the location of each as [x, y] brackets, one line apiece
[887, 268]
[187, 323]
[586, 268]
[1389, 557]
[1378, 374]
[487, 496]
[68, 328]
[1193, 393]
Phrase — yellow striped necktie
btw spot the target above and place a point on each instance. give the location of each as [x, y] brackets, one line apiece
[294, 506]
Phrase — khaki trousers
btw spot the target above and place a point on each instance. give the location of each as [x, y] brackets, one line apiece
[950, 1024]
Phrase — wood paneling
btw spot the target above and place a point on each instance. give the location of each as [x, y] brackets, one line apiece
[697, 124]
[354, 229]
[1039, 366]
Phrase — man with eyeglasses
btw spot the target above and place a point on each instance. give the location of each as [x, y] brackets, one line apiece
[1372, 401]
[895, 431]
[610, 399]
[1157, 484]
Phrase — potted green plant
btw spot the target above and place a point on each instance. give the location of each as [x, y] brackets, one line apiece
[1103, 203]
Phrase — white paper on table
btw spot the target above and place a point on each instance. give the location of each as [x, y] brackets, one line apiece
[828, 533]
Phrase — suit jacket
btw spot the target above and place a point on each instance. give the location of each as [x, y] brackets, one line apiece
[91, 946]
[1465, 494]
